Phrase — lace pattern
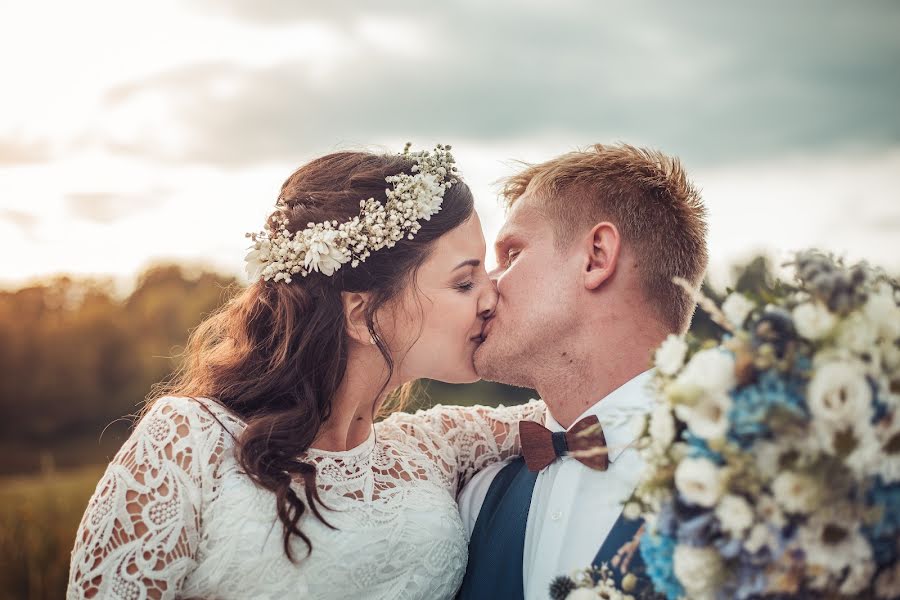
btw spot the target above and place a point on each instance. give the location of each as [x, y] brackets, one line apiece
[174, 516]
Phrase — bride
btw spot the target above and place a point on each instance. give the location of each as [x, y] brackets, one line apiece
[259, 470]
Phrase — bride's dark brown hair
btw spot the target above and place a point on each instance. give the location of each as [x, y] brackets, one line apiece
[275, 354]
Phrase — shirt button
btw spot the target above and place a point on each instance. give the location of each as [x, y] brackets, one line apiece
[556, 515]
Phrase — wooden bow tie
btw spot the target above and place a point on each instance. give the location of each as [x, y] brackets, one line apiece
[540, 446]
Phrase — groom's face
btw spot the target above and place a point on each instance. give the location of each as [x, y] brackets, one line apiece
[536, 287]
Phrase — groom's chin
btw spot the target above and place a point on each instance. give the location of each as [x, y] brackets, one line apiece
[485, 363]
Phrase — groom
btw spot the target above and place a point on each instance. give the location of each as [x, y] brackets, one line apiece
[586, 259]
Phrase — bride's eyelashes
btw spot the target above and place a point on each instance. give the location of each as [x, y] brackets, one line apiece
[465, 286]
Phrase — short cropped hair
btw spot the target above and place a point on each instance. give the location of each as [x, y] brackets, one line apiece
[646, 195]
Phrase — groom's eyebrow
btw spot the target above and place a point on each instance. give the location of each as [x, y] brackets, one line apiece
[472, 262]
[504, 240]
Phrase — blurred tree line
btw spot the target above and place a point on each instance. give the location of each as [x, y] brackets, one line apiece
[76, 361]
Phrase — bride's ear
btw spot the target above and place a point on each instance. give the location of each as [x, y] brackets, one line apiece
[355, 304]
[602, 246]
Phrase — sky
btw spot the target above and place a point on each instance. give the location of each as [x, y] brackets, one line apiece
[137, 133]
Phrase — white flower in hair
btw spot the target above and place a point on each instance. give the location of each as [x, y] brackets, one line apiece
[326, 247]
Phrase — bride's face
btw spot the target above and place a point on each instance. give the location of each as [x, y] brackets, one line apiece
[438, 326]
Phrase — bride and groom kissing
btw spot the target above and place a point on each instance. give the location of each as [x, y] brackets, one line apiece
[262, 470]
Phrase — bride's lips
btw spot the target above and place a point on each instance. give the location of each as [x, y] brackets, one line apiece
[483, 335]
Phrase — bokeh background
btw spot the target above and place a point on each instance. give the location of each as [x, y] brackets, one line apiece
[139, 142]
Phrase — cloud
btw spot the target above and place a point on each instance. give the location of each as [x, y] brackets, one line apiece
[23, 220]
[709, 83]
[15, 150]
[107, 207]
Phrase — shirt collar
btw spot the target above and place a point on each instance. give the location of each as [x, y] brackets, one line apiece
[616, 412]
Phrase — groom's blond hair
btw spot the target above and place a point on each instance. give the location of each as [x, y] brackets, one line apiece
[646, 195]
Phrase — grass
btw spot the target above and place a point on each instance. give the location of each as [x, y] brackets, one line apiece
[39, 516]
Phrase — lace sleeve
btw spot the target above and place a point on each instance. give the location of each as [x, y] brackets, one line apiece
[462, 440]
[139, 535]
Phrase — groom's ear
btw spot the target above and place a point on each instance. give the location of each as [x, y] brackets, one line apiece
[602, 247]
[355, 316]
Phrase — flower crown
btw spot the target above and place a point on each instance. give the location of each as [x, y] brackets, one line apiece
[325, 247]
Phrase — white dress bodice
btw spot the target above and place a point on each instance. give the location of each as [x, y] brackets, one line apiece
[174, 516]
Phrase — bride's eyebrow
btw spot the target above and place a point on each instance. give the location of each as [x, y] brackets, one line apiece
[472, 262]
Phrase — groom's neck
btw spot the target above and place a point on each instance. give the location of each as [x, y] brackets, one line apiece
[580, 380]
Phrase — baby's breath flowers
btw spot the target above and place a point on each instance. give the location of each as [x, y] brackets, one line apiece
[325, 247]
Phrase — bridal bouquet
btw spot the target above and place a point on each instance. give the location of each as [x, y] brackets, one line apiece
[773, 457]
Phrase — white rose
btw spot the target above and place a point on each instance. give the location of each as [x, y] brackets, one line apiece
[735, 515]
[881, 310]
[699, 481]
[711, 370]
[813, 320]
[877, 453]
[698, 569]
[758, 538]
[670, 355]
[857, 333]
[707, 417]
[768, 455]
[858, 577]
[890, 356]
[736, 308]
[662, 426]
[838, 396]
[796, 492]
[632, 511]
[769, 512]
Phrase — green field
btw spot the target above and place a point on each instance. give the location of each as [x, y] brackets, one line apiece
[38, 519]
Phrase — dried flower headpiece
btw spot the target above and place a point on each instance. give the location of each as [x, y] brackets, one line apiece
[325, 247]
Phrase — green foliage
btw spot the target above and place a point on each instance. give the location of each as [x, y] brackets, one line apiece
[74, 358]
[38, 519]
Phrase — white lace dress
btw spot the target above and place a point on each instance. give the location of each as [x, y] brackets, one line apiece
[174, 516]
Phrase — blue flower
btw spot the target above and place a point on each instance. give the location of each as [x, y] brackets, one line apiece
[667, 520]
[880, 408]
[728, 547]
[752, 403]
[657, 551]
[883, 534]
[747, 581]
[698, 448]
[699, 530]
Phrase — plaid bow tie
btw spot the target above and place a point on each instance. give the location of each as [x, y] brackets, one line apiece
[540, 446]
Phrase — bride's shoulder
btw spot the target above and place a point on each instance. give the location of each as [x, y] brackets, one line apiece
[190, 416]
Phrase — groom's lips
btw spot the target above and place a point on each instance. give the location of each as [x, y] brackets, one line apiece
[485, 328]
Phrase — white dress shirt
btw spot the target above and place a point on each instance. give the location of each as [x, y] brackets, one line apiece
[574, 507]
